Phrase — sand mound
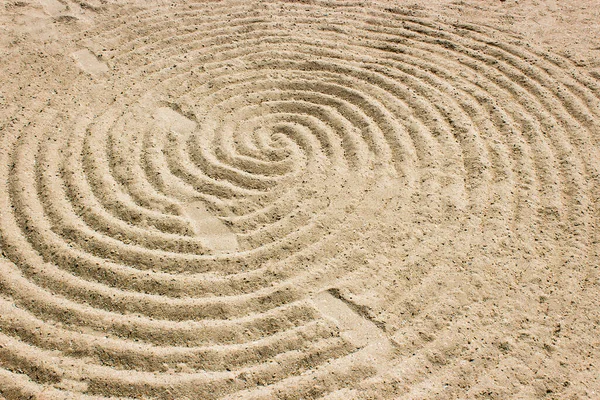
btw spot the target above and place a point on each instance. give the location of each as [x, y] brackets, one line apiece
[276, 200]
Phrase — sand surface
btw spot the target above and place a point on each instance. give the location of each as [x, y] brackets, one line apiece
[300, 199]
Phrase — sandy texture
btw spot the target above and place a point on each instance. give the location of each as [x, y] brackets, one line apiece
[299, 199]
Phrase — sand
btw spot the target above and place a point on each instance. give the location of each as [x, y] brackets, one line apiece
[299, 199]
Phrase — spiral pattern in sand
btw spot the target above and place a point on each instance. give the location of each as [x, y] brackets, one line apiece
[171, 236]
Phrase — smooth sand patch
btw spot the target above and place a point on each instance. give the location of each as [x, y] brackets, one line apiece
[88, 62]
[210, 229]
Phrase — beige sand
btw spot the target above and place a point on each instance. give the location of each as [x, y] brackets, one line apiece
[300, 199]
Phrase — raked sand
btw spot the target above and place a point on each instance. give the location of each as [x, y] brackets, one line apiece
[299, 199]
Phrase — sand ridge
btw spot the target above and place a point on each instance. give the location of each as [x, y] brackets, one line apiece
[294, 200]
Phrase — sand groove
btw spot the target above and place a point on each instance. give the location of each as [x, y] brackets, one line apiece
[174, 234]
